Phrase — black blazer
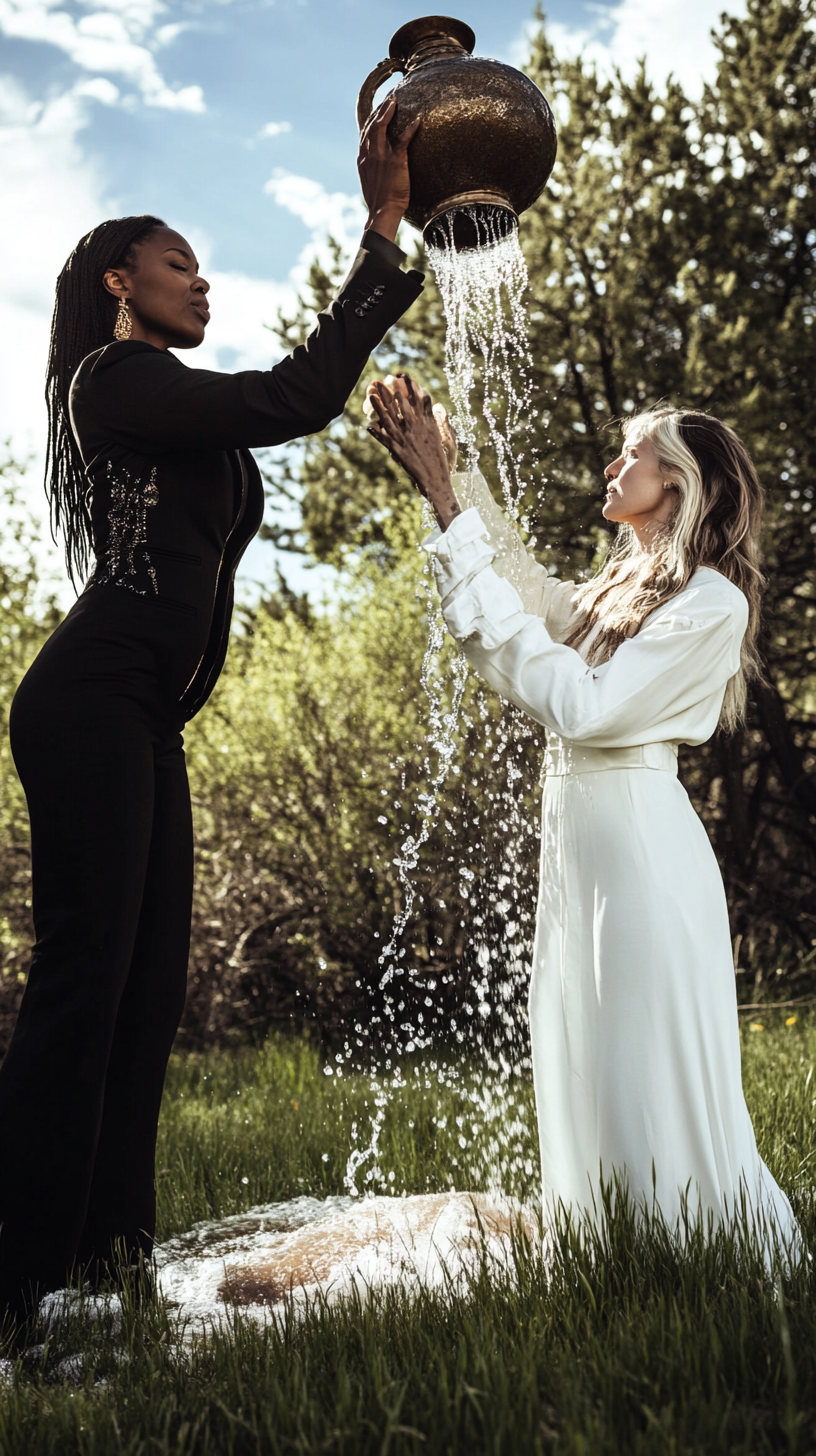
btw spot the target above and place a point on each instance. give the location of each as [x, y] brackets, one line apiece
[175, 496]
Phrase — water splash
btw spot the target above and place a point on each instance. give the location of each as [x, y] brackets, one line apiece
[489, 369]
[278, 1260]
[444, 698]
[442, 725]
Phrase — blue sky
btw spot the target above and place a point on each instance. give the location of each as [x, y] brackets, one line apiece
[193, 149]
[234, 120]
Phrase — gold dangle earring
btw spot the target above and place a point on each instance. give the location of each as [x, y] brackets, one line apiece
[123, 328]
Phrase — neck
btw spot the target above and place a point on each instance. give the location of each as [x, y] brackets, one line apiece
[647, 533]
[649, 529]
[142, 334]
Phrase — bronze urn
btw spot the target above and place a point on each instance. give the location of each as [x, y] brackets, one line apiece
[487, 140]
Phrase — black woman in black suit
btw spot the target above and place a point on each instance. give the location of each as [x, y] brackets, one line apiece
[152, 483]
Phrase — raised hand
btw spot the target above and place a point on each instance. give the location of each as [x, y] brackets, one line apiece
[406, 421]
[383, 170]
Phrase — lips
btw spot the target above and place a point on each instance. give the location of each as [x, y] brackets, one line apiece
[203, 310]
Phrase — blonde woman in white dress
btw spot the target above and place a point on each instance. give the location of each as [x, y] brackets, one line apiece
[633, 1016]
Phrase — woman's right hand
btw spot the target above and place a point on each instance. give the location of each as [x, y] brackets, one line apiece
[418, 435]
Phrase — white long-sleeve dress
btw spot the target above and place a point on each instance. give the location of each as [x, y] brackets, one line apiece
[633, 1018]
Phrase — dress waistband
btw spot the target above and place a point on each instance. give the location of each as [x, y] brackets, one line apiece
[563, 757]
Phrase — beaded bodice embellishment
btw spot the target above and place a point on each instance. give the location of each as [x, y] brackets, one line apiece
[126, 561]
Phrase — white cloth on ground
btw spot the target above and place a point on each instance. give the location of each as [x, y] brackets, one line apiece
[633, 1016]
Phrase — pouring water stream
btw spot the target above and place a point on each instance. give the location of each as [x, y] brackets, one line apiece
[489, 371]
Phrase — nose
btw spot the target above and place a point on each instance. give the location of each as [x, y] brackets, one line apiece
[613, 471]
[201, 285]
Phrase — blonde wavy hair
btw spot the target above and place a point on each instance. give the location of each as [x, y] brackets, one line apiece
[715, 523]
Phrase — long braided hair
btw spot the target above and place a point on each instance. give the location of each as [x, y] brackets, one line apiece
[84, 316]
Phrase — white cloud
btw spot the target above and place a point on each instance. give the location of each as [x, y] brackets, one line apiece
[166, 34]
[113, 39]
[673, 35]
[99, 88]
[326, 214]
[275, 128]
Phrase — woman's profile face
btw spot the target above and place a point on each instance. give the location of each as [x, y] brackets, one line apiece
[166, 295]
[636, 488]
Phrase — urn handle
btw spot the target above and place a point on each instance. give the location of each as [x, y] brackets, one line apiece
[372, 84]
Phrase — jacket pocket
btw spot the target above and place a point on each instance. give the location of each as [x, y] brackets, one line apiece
[166, 555]
[172, 605]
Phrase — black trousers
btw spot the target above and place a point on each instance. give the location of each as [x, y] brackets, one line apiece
[97, 743]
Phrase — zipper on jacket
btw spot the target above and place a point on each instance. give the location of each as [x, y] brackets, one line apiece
[233, 528]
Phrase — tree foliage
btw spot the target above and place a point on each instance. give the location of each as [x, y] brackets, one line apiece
[309, 771]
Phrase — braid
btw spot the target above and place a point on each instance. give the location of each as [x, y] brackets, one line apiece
[84, 315]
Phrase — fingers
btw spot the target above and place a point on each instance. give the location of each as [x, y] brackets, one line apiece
[396, 384]
[407, 136]
[376, 386]
[385, 107]
[374, 133]
[388, 415]
[382, 439]
[380, 403]
[400, 397]
[420, 397]
[379, 389]
[377, 124]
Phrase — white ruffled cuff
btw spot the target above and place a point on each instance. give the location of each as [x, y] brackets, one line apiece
[459, 552]
[488, 608]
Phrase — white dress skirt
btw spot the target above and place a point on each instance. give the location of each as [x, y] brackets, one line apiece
[633, 1016]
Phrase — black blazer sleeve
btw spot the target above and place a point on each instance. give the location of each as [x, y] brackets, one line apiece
[147, 400]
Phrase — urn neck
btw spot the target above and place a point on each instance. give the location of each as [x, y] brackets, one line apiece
[434, 48]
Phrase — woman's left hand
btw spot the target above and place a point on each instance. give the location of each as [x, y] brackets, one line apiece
[383, 168]
[404, 421]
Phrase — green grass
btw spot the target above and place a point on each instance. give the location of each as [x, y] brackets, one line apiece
[620, 1347]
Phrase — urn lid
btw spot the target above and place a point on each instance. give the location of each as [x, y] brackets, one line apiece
[437, 27]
